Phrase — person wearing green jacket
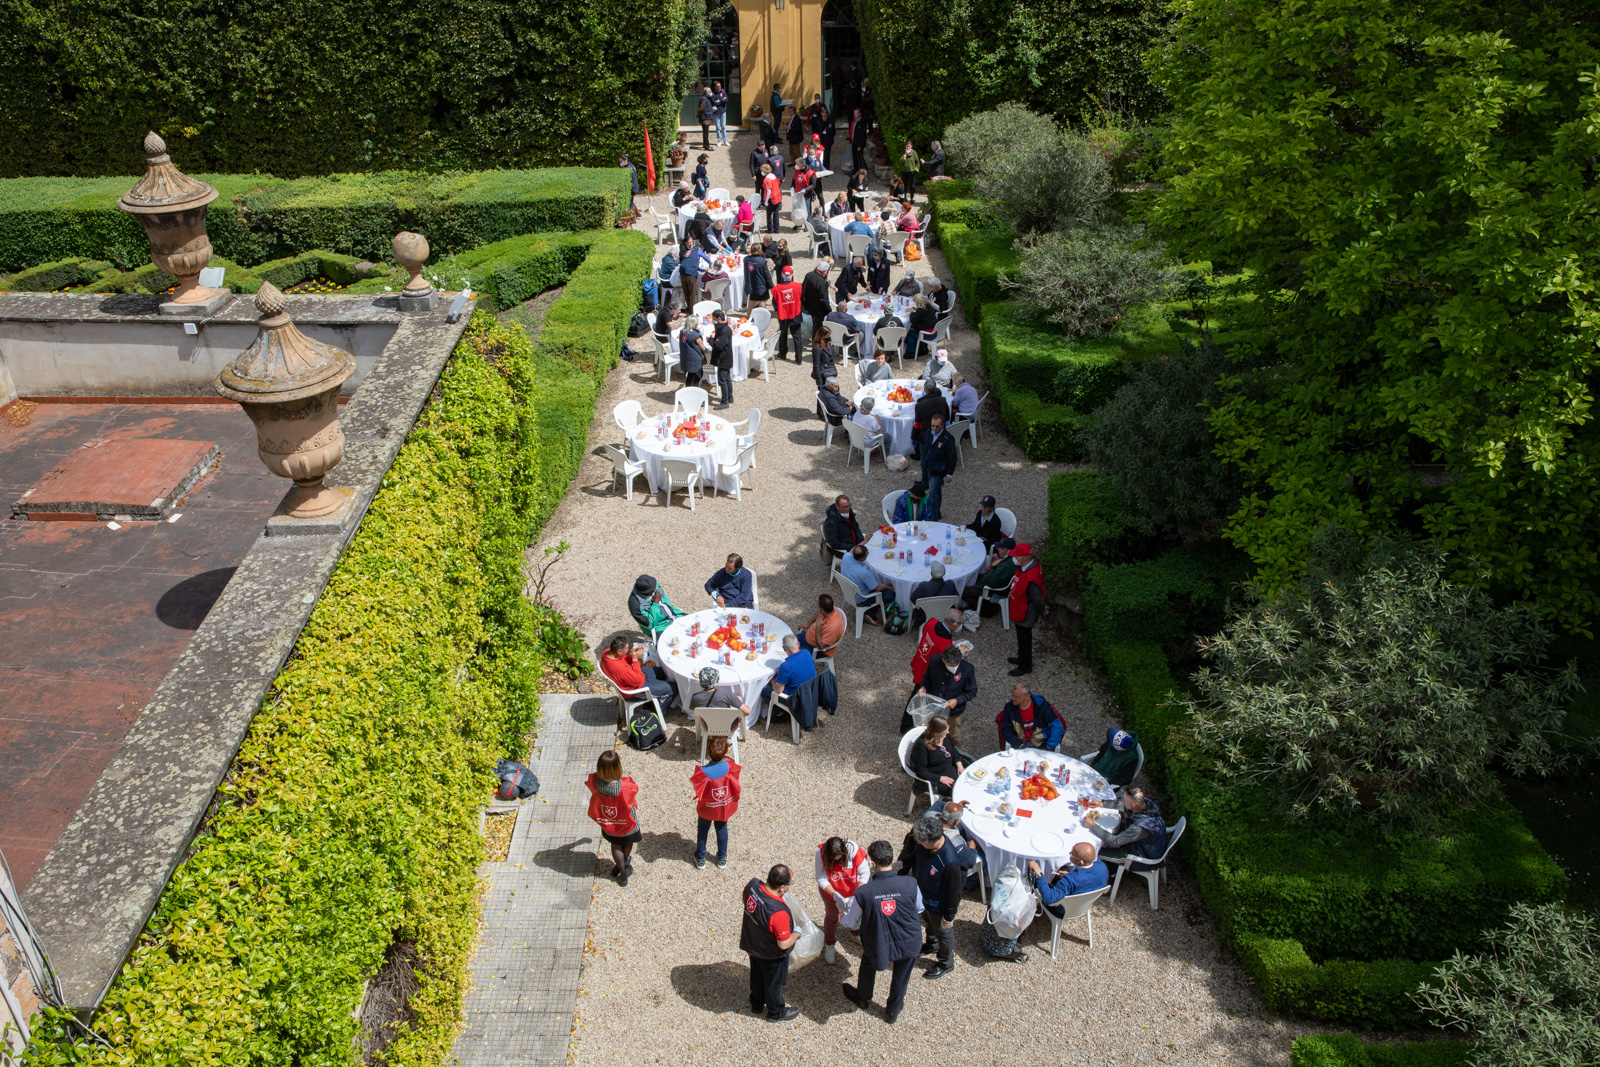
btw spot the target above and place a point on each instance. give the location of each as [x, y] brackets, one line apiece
[650, 606]
[997, 576]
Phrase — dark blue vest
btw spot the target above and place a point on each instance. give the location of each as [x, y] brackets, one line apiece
[891, 928]
[755, 937]
[930, 872]
[1150, 820]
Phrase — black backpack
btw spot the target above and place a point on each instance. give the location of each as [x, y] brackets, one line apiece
[516, 781]
[640, 325]
[644, 729]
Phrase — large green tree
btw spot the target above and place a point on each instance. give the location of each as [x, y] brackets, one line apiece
[1413, 186]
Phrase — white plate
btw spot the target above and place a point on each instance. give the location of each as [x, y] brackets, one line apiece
[1048, 843]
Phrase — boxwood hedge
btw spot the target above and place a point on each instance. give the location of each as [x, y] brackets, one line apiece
[1343, 1050]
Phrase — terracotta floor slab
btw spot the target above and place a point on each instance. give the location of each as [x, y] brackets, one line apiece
[116, 475]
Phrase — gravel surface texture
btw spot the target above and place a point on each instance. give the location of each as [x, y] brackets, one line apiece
[664, 981]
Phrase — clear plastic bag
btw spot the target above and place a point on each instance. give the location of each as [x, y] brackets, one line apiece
[896, 462]
[1012, 903]
[809, 946]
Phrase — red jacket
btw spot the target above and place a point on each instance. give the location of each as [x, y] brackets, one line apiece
[1019, 590]
[931, 643]
[718, 798]
[614, 814]
[786, 298]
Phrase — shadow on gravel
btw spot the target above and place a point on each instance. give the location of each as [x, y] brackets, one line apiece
[716, 987]
[668, 846]
[575, 858]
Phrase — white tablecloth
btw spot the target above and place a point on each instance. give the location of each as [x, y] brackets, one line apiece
[745, 340]
[904, 576]
[868, 310]
[743, 677]
[895, 416]
[687, 212]
[1048, 833]
[734, 265]
[836, 234]
[649, 446]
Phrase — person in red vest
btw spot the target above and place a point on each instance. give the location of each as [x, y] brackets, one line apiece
[842, 868]
[766, 935]
[716, 794]
[613, 803]
[937, 635]
[786, 299]
[1027, 606]
[771, 197]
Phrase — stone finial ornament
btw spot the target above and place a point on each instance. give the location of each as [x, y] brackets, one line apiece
[411, 252]
[288, 384]
[171, 206]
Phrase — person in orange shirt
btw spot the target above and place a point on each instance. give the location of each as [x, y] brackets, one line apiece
[824, 628]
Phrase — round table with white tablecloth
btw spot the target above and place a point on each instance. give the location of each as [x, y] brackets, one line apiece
[867, 310]
[895, 416]
[734, 265]
[1043, 830]
[746, 339]
[725, 210]
[676, 649]
[653, 441]
[913, 539]
[836, 234]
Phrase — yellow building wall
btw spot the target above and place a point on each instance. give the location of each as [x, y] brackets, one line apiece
[779, 46]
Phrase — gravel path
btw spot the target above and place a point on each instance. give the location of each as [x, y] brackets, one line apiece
[663, 979]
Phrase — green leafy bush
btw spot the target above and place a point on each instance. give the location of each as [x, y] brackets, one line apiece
[1344, 1050]
[1045, 183]
[1084, 279]
[972, 143]
[1085, 518]
[1377, 686]
[976, 258]
[1163, 600]
[1532, 998]
[48, 277]
[1373, 994]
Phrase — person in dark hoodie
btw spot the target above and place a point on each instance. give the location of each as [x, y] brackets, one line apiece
[933, 862]
[691, 351]
[1141, 831]
[841, 530]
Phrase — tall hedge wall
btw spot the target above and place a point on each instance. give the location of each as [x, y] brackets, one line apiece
[935, 61]
[257, 218]
[297, 87]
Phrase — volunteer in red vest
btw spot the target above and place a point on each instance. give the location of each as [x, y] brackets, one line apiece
[937, 635]
[716, 794]
[766, 935]
[613, 803]
[786, 301]
[842, 867]
[888, 913]
[1027, 606]
[771, 196]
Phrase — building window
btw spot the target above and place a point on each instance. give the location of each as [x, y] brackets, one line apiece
[719, 62]
[841, 58]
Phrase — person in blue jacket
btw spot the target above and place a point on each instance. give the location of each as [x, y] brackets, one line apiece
[1029, 721]
[733, 586]
[911, 506]
[1082, 873]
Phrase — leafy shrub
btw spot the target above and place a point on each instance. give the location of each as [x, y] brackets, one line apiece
[1153, 441]
[1532, 998]
[1373, 993]
[1086, 526]
[1377, 683]
[1162, 600]
[1082, 280]
[976, 258]
[48, 277]
[1343, 1050]
[972, 143]
[1045, 183]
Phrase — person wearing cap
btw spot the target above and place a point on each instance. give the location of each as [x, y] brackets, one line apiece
[732, 586]
[996, 574]
[1118, 758]
[986, 524]
[814, 303]
[924, 317]
[939, 457]
[627, 665]
[911, 505]
[939, 372]
[910, 287]
[710, 696]
[650, 606]
[935, 585]
[1027, 606]
[964, 398]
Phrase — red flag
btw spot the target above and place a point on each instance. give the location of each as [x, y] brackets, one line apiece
[649, 160]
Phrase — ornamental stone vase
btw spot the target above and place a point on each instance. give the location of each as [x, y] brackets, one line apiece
[171, 206]
[289, 386]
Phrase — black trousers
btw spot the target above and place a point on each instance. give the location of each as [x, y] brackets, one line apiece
[785, 328]
[827, 156]
[691, 378]
[766, 985]
[943, 937]
[724, 385]
[705, 137]
[867, 979]
[1024, 645]
[772, 217]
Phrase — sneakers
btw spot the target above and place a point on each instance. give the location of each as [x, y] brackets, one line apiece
[700, 862]
[722, 863]
[938, 970]
[1018, 672]
[830, 955]
[1019, 956]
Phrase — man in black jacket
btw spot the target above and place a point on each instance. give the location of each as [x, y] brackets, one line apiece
[953, 680]
[938, 462]
[886, 911]
[767, 129]
[722, 356]
[794, 131]
[933, 862]
[858, 141]
[758, 159]
[767, 934]
[852, 328]
[851, 279]
[929, 404]
[826, 133]
[840, 530]
[814, 297]
[837, 407]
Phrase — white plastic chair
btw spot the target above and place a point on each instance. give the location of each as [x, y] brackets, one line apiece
[912, 737]
[1088, 758]
[852, 594]
[820, 243]
[954, 296]
[691, 400]
[892, 339]
[1152, 871]
[719, 193]
[822, 658]
[957, 428]
[628, 699]
[890, 499]
[714, 722]
[783, 702]
[666, 357]
[761, 318]
[665, 227]
[747, 437]
[760, 357]
[1075, 907]
[858, 440]
[624, 468]
[977, 419]
[1001, 597]
[857, 244]
[680, 474]
[895, 244]
[934, 607]
[736, 470]
[705, 307]
[1008, 521]
[628, 415]
[827, 439]
[846, 340]
[718, 292]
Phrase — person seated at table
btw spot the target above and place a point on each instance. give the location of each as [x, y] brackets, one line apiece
[878, 370]
[668, 315]
[841, 315]
[650, 606]
[940, 297]
[822, 631]
[757, 279]
[841, 530]
[922, 320]
[851, 280]
[932, 759]
[954, 680]
[908, 219]
[986, 524]
[744, 216]
[1118, 757]
[998, 570]
[682, 195]
[732, 586]
[939, 371]
[935, 585]
[715, 240]
[912, 505]
[1084, 872]
[897, 187]
[909, 286]
[854, 567]
[798, 668]
[664, 273]
[950, 814]
[1141, 831]
[702, 178]
[823, 367]
[710, 696]
[889, 319]
[840, 205]
[867, 420]
[858, 228]
[878, 272]
[964, 399]
[1029, 721]
[625, 664]
[696, 227]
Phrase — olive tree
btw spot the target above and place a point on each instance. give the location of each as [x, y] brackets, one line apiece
[971, 143]
[1082, 279]
[1045, 183]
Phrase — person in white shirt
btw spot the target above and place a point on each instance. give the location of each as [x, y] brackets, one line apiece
[940, 371]
[865, 417]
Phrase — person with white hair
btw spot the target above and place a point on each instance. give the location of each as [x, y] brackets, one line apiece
[865, 418]
[940, 371]
[940, 297]
[936, 585]
[796, 669]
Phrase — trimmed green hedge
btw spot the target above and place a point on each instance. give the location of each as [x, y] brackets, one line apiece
[1374, 994]
[256, 219]
[1161, 600]
[976, 258]
[1085, 527]
[1343, 1050]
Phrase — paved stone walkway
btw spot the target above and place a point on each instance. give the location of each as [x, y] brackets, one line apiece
[536, 910]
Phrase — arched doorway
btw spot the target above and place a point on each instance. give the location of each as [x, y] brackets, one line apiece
[719, 62]
[841, 58]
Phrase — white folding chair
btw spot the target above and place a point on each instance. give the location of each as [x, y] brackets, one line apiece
[628, 415]
[1008, 521]
[704, 308]
[783, 702]
[977, 419]
[857, 244]
[892, 339]
[665, 227]
[912, 737]
[934, 607]
[858, 441]
[1074, 907]
[822, 658]
[717, 290]
[1001, 597]
[827, 440]
[1152, 871]
[666, 355]
[628, 699]
[833, 557]
[680, 474]
[719, 193]
[820, 243]
[954, 296]
[958, 429]
[719, 722]
[735, 470]
[926, 339]
[890, 499]
[895, 244]
[852, 596]
[691, 400]
[761, 318]
[624, 468]
[844, 339]
[1088, 757]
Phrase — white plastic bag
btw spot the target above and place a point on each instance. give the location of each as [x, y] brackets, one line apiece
[896, 462]
[972, 620]
[1011, 903]
[809, 946]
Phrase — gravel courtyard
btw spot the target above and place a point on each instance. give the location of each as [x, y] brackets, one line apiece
[663, 980]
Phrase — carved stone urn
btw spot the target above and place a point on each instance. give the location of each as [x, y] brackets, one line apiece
[289, 386]
[171, 206]
[411, 252]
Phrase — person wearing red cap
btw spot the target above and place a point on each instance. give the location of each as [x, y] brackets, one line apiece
[1027, 606]
[786, 299]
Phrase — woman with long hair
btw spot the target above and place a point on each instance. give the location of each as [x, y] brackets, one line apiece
[822, 364]
[613, 803]
[934, 760]
[842, 867]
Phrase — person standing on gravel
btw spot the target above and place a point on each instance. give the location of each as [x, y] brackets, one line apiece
[841, 869]
[716, 792]
[887, 913]
[766, 935]
[937, 869]
[613, 804]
